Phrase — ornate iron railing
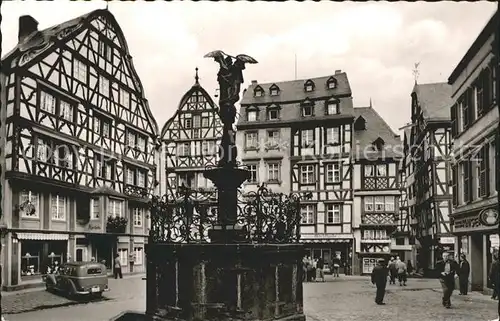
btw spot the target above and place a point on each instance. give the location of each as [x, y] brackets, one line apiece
[263, 216]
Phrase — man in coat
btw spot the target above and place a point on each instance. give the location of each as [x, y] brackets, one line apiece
[448, 268]
[463, 274]
[379, 278]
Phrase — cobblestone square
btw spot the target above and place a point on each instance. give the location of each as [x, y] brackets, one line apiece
[346, 298]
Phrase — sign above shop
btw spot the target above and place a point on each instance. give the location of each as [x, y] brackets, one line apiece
[489, 217]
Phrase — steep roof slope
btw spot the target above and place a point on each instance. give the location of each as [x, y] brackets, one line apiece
[376, 128]
[37, 44]
[434, 99]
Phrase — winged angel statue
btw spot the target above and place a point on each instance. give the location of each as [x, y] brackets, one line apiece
[230, 76]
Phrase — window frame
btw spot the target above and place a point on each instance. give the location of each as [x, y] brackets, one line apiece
[310, 171]
[309, 214]
[36, 204]
[255, 139]
[276, 170]
[333, 168]
[59, 217]
[333, 209]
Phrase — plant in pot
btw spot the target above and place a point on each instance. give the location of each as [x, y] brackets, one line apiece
[116, 224]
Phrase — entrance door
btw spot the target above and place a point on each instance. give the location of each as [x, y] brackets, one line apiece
[81, 254]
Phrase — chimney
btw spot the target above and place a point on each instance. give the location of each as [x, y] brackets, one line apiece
[254, 82]
[338, 71]
[27, 25]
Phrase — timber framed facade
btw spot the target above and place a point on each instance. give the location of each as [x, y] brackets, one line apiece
[474, 118]
[428, 186]
[375, 187]
[304, 127]
[80, 148]
[190, 139]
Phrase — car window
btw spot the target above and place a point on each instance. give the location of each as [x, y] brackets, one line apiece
[94, 271]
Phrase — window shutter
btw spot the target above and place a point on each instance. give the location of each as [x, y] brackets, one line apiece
[454, 123]
[470, 104]
[454, 184]
[486, 75]
[467, 181]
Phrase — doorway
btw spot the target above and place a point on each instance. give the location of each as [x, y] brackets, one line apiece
[81, 254]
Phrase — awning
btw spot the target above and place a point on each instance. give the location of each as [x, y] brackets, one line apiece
[326, 241]
[42, 236]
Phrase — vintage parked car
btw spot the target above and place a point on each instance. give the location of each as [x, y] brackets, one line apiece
[78, 278]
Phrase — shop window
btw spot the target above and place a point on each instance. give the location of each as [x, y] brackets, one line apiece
[123, 255]
[368, 265]
[138, 255]
[31, 252]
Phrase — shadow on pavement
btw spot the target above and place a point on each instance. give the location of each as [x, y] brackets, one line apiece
[70, 302]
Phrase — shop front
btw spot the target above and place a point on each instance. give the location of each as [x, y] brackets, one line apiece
[30, 255]
[370, 254]
[477, 238]
[328, 247]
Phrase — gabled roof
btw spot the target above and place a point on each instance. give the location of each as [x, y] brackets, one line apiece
[196, 87]
[434, 99]
[39, 42]
[293, 90]
[376, 128]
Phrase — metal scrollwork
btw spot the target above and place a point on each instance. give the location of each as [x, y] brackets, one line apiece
[183, 218]
[264, 216]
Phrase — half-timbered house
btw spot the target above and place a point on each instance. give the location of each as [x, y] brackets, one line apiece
[304, 127]
[403, 240]
[474, 119]
[376, 154]
[79, 142]
[190, 139]
[429, 149]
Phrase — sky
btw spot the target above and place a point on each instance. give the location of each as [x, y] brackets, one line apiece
[376, 44]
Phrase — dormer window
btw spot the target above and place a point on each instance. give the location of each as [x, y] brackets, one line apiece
[331, 83]
[274, 90]
[273, 112]
[252, 114]
[360, 123]
[309, 86]
[258, 91]
[307, 108]
[307, 111]
[332, 107]
[378, 144]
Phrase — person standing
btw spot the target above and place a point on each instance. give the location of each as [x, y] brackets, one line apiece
[494, 276]
[336, 266]
[448, 268]
[379, 278]
[117, 267]
[401, 267]
[319, 270]
[393, 271]
[463, 275]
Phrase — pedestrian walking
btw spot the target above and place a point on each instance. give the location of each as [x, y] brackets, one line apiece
[117, 268]
[336, 266]
[401, 267]
[379, 278]
[319, 270]
[494, 276]
[448, 268]
[463, 275]
[393, 271]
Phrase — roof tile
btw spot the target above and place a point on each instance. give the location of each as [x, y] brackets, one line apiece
[376, 127]
[434, 99]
